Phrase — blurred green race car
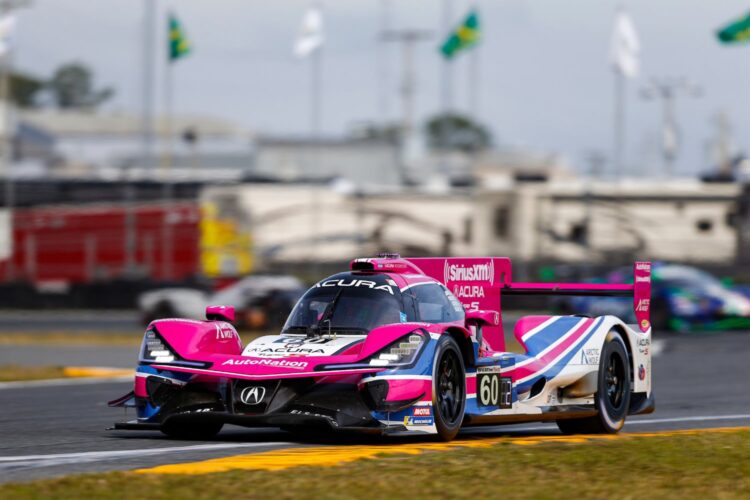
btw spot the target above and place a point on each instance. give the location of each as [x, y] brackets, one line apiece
[683, 298]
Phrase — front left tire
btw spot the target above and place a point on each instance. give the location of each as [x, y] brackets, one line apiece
[448, 388]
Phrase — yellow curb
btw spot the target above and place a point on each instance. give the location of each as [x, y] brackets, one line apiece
[94, 371]
[330, 456]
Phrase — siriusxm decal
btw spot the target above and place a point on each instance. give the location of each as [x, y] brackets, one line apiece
[473, 272]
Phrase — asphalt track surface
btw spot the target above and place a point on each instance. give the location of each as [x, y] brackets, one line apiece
[700, 381]
[83, 320]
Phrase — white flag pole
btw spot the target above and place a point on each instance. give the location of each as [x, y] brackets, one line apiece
[315, 87]
[619, 123]
[624, 53]
[167, 186]
[309, 44]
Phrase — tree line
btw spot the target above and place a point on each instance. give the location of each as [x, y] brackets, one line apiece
[71, 86]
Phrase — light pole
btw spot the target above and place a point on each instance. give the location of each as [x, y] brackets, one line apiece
[150, 7]
[667, 90]
[407, 38]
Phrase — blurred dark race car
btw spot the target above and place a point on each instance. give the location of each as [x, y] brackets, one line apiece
[261, 301]
[683, 298]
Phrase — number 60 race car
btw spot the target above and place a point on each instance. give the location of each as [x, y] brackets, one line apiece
[401, 346]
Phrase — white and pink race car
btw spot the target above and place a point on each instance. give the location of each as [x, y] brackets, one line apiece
[397, 345]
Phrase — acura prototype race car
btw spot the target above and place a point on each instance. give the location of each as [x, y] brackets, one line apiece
[399, 346]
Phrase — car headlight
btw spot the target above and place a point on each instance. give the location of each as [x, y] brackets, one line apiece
[155, 350]
[400, 353]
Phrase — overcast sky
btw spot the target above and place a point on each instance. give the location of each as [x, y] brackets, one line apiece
[545, 82]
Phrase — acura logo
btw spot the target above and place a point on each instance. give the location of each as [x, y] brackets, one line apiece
[252, 395]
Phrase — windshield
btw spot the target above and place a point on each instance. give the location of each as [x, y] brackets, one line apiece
[355, 308]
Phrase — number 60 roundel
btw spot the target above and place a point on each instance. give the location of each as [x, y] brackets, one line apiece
[492, 389]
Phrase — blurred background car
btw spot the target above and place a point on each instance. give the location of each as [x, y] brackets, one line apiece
[262, 301]
[683, 298]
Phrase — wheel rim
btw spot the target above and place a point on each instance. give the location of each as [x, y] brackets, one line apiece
[449, 388]
[615, 380]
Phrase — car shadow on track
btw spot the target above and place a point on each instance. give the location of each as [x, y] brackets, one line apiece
[232, 434]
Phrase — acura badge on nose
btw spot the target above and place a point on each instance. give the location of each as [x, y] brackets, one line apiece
[252, 395]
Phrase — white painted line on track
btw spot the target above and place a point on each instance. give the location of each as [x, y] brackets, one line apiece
[97, 456]
[50, 382]
[707, 418]
[628, 423]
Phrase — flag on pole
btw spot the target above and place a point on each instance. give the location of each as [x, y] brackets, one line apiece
[179, 46]
[7, 29]
[625, 48]
[310, 37]
[736, 31]
[465, 36]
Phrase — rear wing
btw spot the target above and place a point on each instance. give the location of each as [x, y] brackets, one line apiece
[640, 290]
[479, 282]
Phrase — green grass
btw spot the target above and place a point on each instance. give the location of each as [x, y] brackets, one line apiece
[713, 465]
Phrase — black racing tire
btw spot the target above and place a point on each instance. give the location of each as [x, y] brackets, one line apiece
[612, 399]
[185, 429]
[448, 388]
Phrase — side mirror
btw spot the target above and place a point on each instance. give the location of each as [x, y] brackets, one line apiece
[481, 317]
[220, 313]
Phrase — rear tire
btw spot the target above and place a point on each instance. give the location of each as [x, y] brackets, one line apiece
[185, 429]
[612, 398]
[448, 388]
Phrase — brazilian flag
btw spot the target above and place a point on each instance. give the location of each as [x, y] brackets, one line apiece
[465, 36]
[179, 46]
[736, 31]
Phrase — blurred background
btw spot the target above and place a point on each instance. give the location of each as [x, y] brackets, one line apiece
[157, 156]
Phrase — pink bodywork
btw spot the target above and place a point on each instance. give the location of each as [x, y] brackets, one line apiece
[642, 294]
[218, 343]
[224, 313]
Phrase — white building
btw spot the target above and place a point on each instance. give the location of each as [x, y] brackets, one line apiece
[572, 221]
[103, 144]
[560, 221]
